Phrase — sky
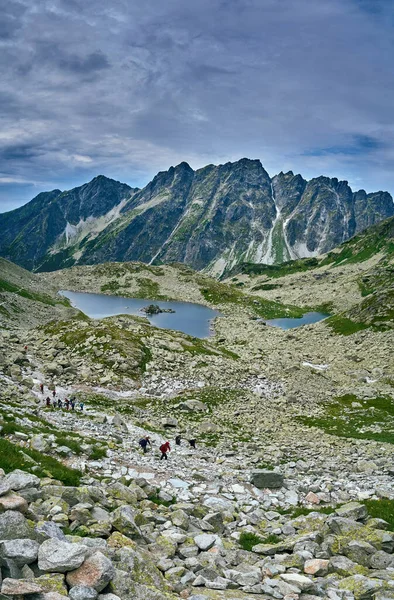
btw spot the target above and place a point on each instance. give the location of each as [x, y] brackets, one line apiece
[128, 88]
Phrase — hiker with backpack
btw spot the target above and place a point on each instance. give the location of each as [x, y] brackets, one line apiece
[178, 440]
[144, 443]
[164, 448]
[192, 443]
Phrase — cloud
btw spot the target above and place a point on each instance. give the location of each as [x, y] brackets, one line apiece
[115, 88]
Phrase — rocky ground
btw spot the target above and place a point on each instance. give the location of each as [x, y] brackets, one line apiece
[288, 494]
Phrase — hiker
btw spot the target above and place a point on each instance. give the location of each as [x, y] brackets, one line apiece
[164, 448]
[192, 443]
[81, 405]
[178, 440]
[54, 403]
[48, 401]
[59, 403]
[53, 392]
[67, 403]
[144, 443]
[72, 404]
[41, 388]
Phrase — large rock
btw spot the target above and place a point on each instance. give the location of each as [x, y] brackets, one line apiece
[55, 556]
[123, 519]
[96, 572]
[13, 502]
[205, 541]
[193, 406]
[53, 369]
[22, 551]
[363, 588]
[316, 566]
[38, 442]
[352, 510]
[19, 587]
[266, 479]
[19, 480]
[81, 592]
[300, 581]
[49, 529]
[13, 525]
[180, 519]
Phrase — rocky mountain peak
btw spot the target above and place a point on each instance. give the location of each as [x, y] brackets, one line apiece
[211, 219]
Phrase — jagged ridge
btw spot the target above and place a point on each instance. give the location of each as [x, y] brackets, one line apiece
[211, 219]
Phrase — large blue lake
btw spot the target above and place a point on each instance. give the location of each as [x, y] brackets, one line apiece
[289, 323]
[193, 319]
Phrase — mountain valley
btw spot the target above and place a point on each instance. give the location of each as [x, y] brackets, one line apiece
[289, 492]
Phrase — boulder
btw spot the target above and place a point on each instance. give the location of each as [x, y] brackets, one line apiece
[316, 566]
[56, 556]
[266, 479]
[53, 369]
[300, 581]
[169, 422]
[49, 529]
[352, 510]
[193, 406]
[81, 592]
[205, 541]
[362, 587]
[13, 525]
[208, 427]
[123, 520]
[96, 572]
[180, 519]
[13, 502]
[19, 587]
[19, 480]
[21, 551]
[38, 442]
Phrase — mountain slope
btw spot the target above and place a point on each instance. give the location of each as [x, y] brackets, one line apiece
[211, 219]
[355, 281]
[27, 299]
[52, 220]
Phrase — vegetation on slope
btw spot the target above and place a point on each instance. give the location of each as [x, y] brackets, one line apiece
[361, 247]
[350, 417]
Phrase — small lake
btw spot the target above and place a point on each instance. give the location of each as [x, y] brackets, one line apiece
[190, 318]
[307, 319]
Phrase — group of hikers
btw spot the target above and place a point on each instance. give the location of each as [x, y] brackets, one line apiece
[59, 403]
[144, 442]
[165, 447]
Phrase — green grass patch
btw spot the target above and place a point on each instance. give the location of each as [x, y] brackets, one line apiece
[266, 287]
[12, 457]
[217, 293]
[344, 326]
[73, 444]
[381, 509]
[276, 271]
[6, 286]
[98, 453]
[156, 500]
[265, 466]
[248, 539]
[371, 419]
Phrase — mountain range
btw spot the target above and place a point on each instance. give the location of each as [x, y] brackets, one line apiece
[211, 219]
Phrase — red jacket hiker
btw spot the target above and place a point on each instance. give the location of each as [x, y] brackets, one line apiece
[164, 448]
